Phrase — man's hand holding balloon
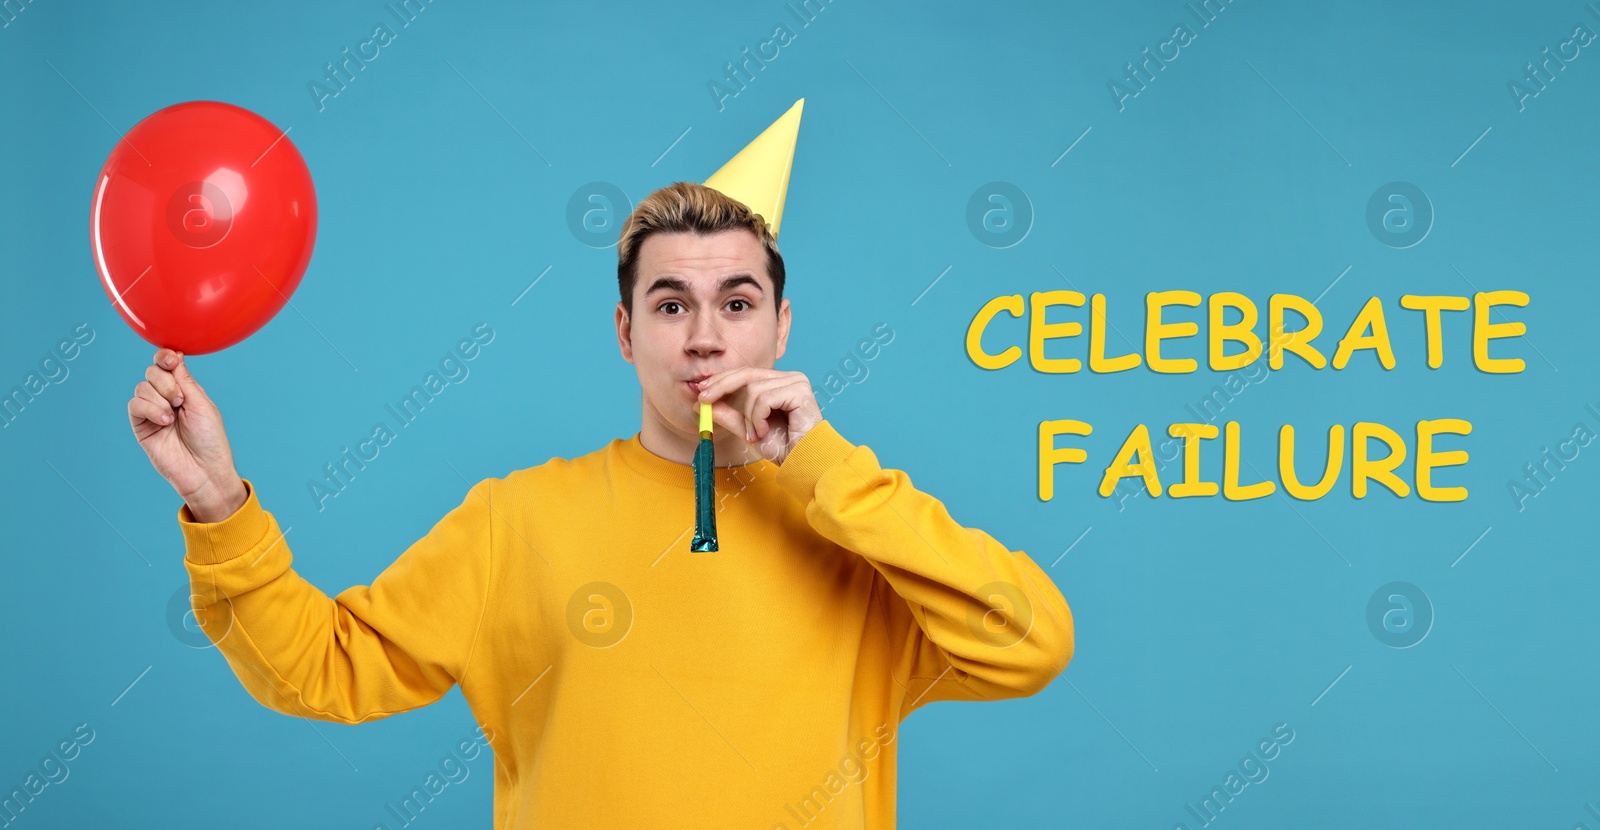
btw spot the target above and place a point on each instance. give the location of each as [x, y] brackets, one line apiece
[772, 409]
[202, 223]
[181, 430]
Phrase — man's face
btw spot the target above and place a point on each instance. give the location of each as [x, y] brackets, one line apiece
[701, 304]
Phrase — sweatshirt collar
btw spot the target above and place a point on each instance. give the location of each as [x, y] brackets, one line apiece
[667, 471]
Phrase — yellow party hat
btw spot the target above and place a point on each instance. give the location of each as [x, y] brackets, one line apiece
[759, 175]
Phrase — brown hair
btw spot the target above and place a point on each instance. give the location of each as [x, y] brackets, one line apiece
[683, 207]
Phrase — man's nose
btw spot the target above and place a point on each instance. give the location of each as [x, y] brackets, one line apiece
[705, 334]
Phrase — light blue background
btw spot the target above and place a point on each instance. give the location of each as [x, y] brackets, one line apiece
[1201, 623]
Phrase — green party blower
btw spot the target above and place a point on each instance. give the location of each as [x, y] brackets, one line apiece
[705, 495]
[758, 177]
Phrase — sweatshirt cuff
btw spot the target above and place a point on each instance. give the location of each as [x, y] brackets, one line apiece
[211, 543]
[819, 450]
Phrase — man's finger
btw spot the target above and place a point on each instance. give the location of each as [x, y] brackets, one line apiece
[767, 396]
[164, 383]
[728, 417]
[719, 384]
[750, 401]
[140, 409]
[146, 392]
[186, 381]
[727, 382]
[757, 411]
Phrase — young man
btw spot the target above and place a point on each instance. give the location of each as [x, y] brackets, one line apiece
[623, 680]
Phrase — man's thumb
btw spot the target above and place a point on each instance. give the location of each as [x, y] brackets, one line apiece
[186, 382]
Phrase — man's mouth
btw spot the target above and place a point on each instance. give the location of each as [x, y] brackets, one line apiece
[695, 383]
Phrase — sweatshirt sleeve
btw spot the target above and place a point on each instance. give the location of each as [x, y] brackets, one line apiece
[968, 618]
[370, 652]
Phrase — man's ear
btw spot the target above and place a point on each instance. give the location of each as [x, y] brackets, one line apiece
[624, 332]
[784, 318]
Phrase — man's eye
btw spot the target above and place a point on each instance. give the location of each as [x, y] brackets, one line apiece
[742, 302]
[667, 303]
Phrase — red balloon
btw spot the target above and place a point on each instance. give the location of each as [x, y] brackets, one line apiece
[203, 221]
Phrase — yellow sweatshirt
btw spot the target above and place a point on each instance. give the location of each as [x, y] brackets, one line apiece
[624, 681]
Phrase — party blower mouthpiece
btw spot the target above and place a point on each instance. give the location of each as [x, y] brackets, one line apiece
[705, 480]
